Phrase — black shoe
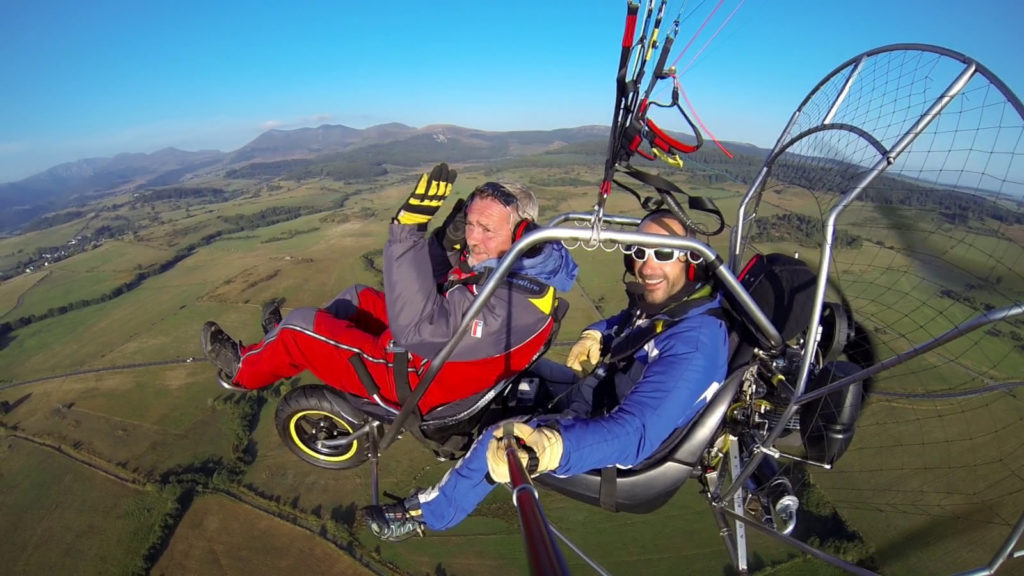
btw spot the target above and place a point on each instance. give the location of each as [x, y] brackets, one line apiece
[271, 316]
[395, 522]
[220, 349]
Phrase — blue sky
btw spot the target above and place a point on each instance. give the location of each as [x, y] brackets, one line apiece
[88, 79]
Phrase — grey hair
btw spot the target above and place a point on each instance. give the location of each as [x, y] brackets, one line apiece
[526, 206]
[526, 202]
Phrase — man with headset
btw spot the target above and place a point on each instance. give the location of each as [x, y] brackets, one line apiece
[429, 285]
[665, 356]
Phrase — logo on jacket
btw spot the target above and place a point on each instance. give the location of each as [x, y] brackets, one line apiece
[477, 329]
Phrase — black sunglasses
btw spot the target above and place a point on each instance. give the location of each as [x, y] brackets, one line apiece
[496, 191]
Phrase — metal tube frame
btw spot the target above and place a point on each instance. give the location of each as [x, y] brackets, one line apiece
[737, 248]
[829, 227]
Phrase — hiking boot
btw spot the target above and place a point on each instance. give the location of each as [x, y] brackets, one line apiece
[271, 316]
[395, 522]
[220, 349]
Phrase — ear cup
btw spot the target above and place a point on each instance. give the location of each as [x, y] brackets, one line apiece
[521, 229]
[696, 271]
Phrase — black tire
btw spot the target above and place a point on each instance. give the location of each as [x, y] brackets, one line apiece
[310, 414]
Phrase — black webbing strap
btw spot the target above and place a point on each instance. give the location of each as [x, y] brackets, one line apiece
[663, 185]
[364, 375]
[403, 390]
[400, 375]
[400, 372]
[608, 488]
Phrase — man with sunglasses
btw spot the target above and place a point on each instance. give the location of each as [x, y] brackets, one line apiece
[430, 283]
[664, 358]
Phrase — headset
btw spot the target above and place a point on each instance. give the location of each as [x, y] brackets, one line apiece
[523, 228]
[452, 232]
[696, 270]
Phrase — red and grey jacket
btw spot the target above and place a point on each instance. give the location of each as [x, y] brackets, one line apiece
[503, 340]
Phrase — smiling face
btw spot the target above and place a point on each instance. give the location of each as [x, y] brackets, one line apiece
[488, 230]
[660, 280]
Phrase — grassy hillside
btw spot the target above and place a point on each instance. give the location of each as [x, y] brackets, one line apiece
[170, 430]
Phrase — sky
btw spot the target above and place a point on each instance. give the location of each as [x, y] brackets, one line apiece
[98, 78]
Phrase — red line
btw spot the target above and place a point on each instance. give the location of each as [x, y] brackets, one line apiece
[702, 126]
[713, 36]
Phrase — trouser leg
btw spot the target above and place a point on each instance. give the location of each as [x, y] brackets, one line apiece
[315, 340]
[462, 488]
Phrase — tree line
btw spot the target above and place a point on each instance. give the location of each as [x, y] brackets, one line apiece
[204, 194]
[800, 229]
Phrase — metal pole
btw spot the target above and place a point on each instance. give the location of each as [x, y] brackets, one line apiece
[541, 551]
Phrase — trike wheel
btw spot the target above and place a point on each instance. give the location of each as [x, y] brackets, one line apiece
[311, 419]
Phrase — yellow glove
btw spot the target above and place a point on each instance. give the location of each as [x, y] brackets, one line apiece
[428, 196]
[587, 348]
[544, 442]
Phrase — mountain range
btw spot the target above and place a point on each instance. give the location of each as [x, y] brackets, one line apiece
[334, 151]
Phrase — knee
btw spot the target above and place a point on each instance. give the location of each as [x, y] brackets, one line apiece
[346, 303]
[300, 318]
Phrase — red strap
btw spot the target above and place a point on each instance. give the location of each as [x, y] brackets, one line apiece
[665, 142]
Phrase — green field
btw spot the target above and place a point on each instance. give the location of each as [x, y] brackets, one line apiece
[221, 533]
[63, 518]
[88, 275]
[12, 291]
[932, 485]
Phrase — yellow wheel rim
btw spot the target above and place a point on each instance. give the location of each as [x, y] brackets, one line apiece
[320, 414]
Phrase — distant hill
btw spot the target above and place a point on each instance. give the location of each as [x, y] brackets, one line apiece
[83, 180]
[328, 151]
[308, 142]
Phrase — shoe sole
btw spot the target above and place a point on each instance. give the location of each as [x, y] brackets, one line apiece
[204, 342]
[265, 313]
[205, 339]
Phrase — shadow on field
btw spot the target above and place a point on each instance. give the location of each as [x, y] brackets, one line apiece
[8, 407]
[19, 401]
[345, 515]
[6, 339]
[928, 534]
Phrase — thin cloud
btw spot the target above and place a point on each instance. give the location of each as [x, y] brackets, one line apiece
[13, 147]
[302, 122]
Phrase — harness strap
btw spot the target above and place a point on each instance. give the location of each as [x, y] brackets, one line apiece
[626, 345]
[403, 391]
[698, 203]
[364, 375]
[400, 373]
